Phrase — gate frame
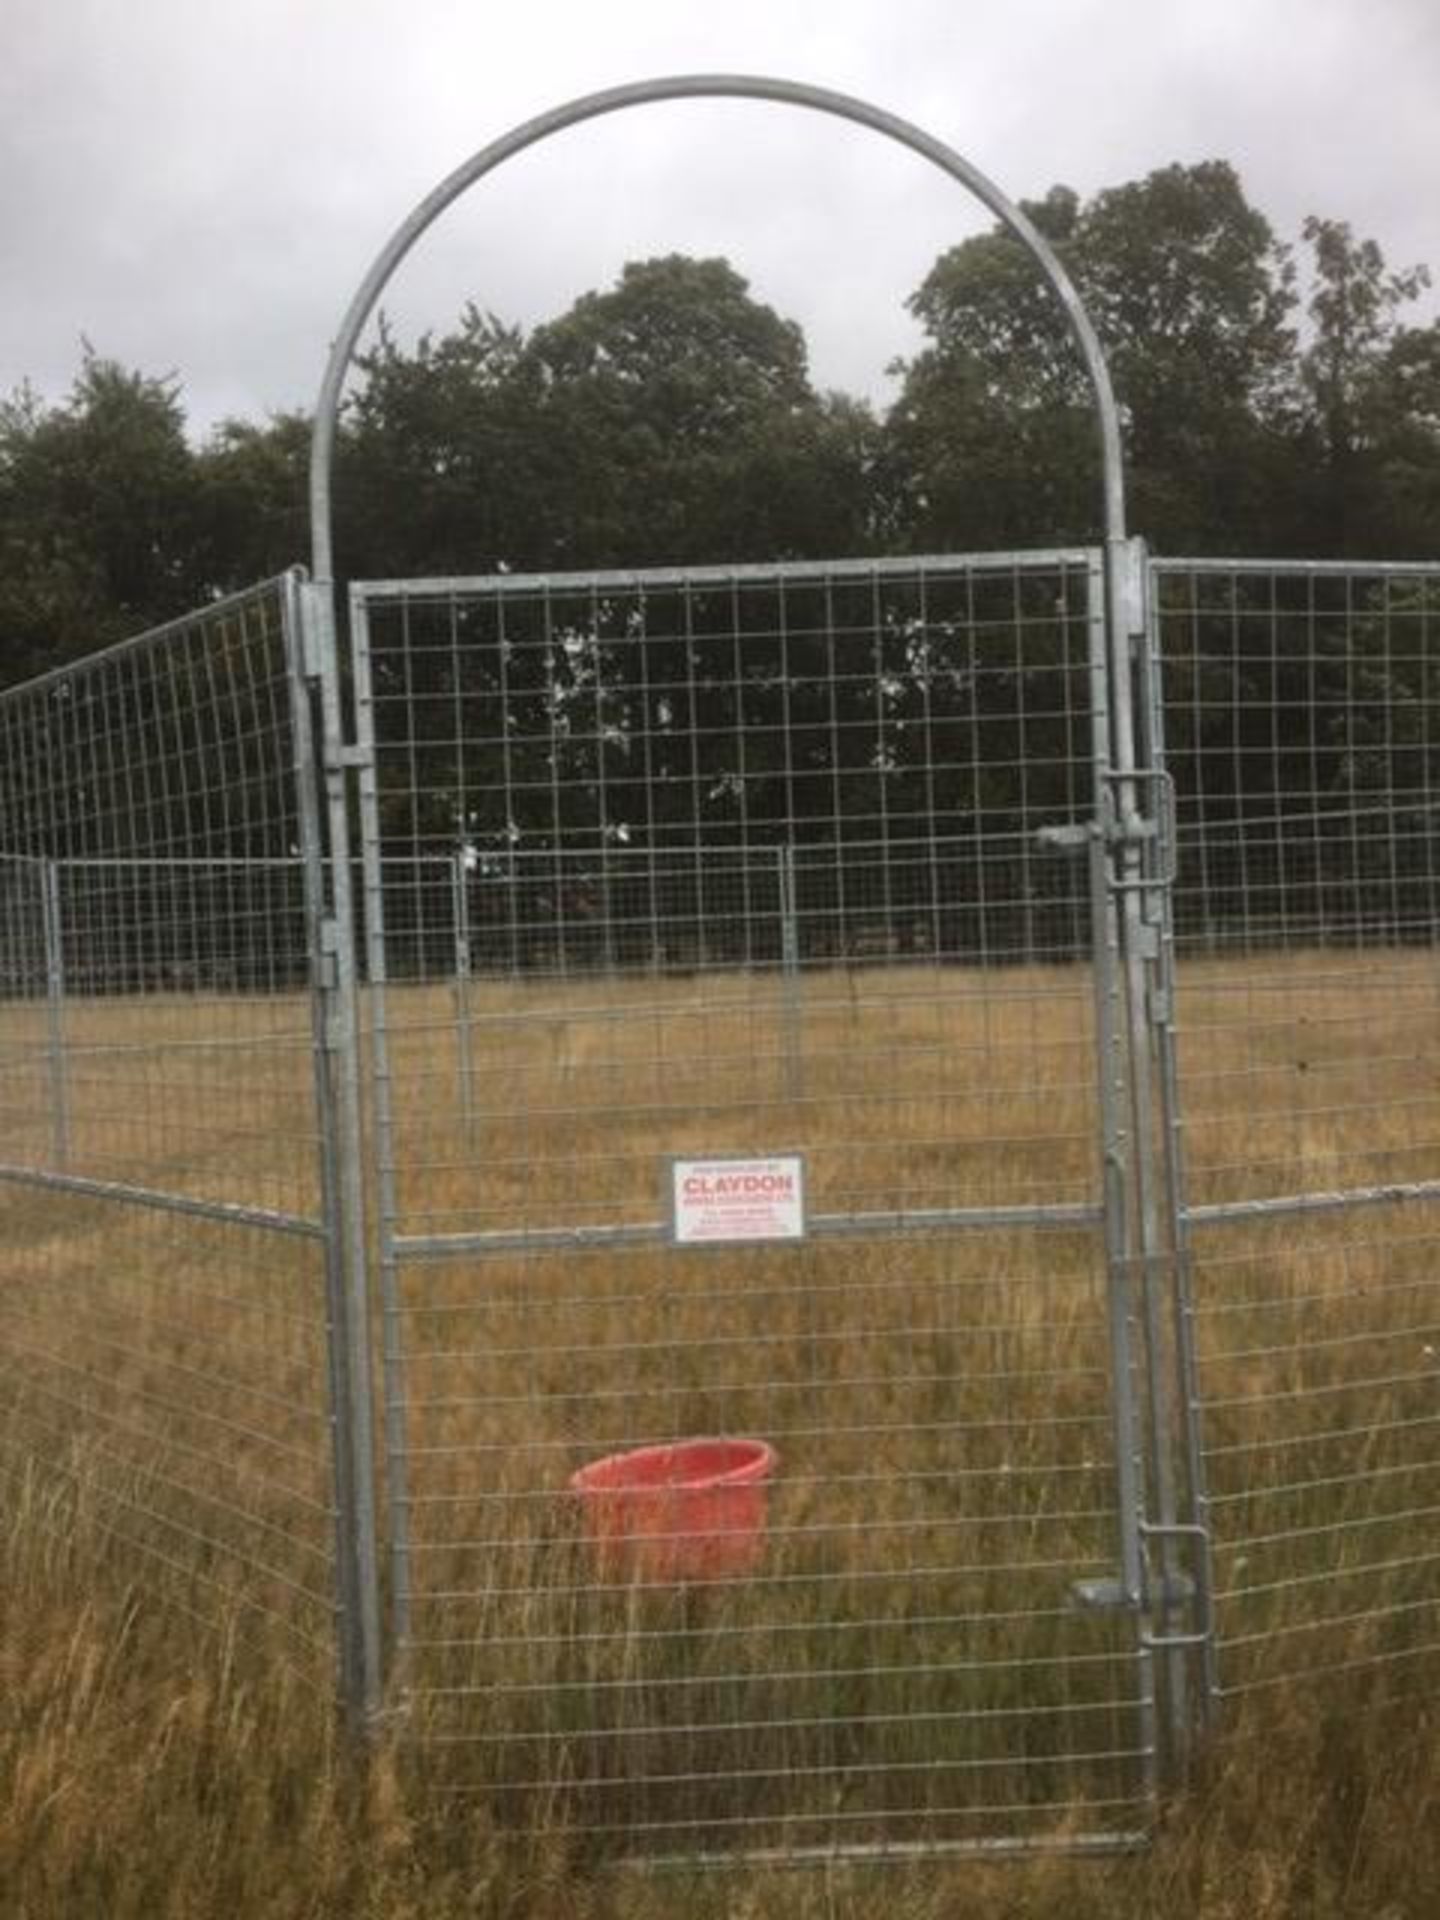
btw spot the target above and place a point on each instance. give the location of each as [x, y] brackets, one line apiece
[325, 859]
[300, 676]
[1126, 842]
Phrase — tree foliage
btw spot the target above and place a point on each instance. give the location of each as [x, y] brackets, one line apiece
[1273, 400]
[1371, 396]
[1191, 296]
[676, 422]
[97, 515]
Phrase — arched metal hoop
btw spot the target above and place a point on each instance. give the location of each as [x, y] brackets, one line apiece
[687, 87]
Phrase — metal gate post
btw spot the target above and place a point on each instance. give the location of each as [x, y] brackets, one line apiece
[1140, 875]
[54, 931]
[1161, 1008]
[382, 1151]
[329, 917]
[1112, 1073]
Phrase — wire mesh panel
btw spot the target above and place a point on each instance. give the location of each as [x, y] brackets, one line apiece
[163, 1344]
[749, 878]
[32, 1083]
[1302, 717]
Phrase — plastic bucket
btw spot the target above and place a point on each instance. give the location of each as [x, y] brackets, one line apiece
[691, 1510]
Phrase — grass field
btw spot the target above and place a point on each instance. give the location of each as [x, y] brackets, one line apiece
[907, 1664]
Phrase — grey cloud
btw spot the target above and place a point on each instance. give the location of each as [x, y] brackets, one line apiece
[199, 189]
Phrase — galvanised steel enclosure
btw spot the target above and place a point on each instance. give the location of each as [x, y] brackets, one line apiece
[1066, 917]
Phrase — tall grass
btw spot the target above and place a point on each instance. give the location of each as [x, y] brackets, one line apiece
[907, 1665]
[150, 1771]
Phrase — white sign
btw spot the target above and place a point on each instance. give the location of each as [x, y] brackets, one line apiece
[732, 1198]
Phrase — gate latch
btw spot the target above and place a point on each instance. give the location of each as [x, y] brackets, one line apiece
[1067, 839]
[1110, 1596]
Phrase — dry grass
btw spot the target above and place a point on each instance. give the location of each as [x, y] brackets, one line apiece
[145, 1773]
[171, 1373]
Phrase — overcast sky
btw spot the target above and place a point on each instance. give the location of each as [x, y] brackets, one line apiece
[197, 186]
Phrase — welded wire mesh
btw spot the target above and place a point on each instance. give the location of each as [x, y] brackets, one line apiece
[793, 862]
[1302, 721]
[163, 1341]
[668, 909]
[749, 864]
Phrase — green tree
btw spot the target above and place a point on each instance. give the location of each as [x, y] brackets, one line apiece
[1371, 388]
[97, 515]
[669, 419]
[437, 469]
[681, 427]
[1191, 295]
[1406, 412]
[1195, 297]
[677, 423]
[251, 500]
[990, 437]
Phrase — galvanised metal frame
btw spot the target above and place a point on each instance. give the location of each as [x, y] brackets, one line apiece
[1359, 639]
[185, 750]
[406, 1251]
[1122, 837]
[1217, 1396]
[1282, 1411]
[1302, 715]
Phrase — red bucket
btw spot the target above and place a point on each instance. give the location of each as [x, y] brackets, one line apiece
[692, 1510]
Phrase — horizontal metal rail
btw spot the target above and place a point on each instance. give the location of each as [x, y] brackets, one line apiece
[908, 567]
[828, 1226]
[1333, 569]
[1000, 1847]
[1230, 1212]
[152, 639]
[229, 1213]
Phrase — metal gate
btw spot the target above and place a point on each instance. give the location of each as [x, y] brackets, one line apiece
[866, 873]
[812, 866]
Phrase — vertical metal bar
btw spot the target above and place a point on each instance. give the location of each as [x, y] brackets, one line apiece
[793, 1008]
[464, 1034]
[310, 633]
[1112, 1077]
[350, 1649]
[54, 928]
[1162, 1014]
[1143, 911]
[383, 1139]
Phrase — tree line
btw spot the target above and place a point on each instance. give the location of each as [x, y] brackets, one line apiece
[1276, 400]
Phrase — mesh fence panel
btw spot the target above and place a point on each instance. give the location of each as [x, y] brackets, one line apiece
[163, 1343]
[1302, 722]
[792, 865]
[749, 865]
